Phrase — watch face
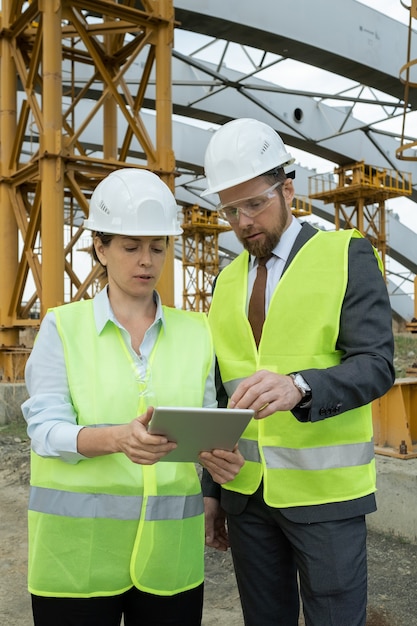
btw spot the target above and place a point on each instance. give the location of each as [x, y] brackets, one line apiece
[301, 384]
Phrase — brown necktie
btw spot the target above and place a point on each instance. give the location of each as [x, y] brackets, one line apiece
[256, 310]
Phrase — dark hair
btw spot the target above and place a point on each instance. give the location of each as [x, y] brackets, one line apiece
[105, 239]
[278, 175]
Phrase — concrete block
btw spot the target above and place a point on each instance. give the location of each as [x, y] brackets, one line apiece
[12, 395]
[396, 498]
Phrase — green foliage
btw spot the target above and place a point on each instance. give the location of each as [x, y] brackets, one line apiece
[16, 428]
[405, 355]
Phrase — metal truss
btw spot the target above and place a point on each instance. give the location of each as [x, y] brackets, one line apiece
[48, 168]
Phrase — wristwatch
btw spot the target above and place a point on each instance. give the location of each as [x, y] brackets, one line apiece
[302, 386]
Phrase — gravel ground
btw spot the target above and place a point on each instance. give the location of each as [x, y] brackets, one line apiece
[392, 562]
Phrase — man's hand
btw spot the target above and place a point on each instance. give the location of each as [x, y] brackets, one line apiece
[215, 520]
[266, 393]
[222, 464]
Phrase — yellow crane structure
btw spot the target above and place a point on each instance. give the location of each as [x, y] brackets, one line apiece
[358, 192]
[301, 206]
[47, 170]
[200, 255]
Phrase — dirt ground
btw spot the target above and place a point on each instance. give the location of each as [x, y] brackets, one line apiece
[392, 561]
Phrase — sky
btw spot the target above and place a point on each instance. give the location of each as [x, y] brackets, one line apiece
[392, 8]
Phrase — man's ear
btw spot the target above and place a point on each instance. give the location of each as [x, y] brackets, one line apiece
[288, 190]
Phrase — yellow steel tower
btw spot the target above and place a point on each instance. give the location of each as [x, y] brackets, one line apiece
[200, 255]
[359, 192]
[63, 65]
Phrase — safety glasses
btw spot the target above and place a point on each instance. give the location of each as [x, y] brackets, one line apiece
[251, 207]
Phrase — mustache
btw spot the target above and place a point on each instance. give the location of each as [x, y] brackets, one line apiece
[246, 232]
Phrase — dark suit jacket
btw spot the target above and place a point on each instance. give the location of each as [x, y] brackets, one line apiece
[366, 372]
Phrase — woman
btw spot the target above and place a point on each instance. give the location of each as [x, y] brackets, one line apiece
[112, 532]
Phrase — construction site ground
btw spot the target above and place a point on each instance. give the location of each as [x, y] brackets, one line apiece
[392, 560]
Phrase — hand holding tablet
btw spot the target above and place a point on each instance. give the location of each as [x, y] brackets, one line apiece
[195, 430]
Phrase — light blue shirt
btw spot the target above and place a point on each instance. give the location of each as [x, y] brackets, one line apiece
[49, 412]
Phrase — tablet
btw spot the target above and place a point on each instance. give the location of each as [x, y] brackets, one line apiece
[198, 429]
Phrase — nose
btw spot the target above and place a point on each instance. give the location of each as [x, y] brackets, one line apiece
[244, 220]
[145, 257]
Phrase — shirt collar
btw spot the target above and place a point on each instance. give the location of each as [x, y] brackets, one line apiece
[103, 312]
[288, 237]
[283, 247]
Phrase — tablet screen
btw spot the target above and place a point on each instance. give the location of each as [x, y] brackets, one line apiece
[197, 429]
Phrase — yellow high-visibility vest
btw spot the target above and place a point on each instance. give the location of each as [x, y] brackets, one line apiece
[105, 524]
[301, 463]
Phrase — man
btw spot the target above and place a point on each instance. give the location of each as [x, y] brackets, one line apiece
[296, 510]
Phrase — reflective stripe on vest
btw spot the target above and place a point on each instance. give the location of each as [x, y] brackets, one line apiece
[301, 463]
[71, 504]
[319, 458]
[249, 449]
[122, 520]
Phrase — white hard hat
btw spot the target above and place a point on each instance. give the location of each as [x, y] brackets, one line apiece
[133, 202]
[241, 150]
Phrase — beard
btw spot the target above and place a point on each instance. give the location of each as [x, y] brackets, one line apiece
[262, 248]
[271, 238]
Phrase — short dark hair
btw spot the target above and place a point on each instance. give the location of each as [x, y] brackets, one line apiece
[278, 175]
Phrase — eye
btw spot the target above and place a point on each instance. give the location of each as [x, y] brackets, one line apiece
[255, 203]
[131, 248]
[230, 211]
[158, 250]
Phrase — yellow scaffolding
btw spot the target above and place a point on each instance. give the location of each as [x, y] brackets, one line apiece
[200, 255]
[302, 206]
[71, 71]
[358, 192]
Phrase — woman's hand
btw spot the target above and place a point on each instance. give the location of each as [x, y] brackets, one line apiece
[139, 445]
[223, 465]
[131, 439]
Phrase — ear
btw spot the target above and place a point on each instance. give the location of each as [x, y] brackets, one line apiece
[100, 250]
[288, 191]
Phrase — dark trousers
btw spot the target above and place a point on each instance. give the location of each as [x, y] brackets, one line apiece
[274, 558]
[136, 607]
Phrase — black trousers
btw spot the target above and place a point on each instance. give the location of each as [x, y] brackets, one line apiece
[136, 607]
[276, 560]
